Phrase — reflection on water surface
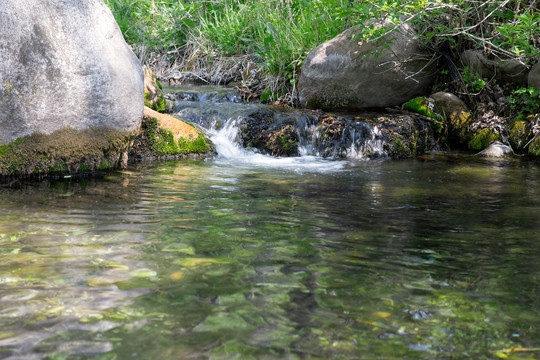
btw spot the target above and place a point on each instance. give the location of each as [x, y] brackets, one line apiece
[433, 258]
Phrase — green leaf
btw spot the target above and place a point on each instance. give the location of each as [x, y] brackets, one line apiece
[266, 95]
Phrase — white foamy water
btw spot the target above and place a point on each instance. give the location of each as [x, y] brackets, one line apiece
[231, 153]
[221, 112]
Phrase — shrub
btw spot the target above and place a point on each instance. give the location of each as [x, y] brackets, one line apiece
[525, 100]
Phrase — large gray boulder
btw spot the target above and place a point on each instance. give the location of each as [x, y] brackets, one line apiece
[351, 73]
[504, 71]
[66, 70]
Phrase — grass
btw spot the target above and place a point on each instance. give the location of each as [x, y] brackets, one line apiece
[150, 25]
[278, 34]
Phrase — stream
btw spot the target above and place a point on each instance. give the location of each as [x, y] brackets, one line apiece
[247, 256]
[230, 123]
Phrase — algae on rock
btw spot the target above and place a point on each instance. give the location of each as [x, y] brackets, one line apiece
[65, 151]
[519, 134]
[422, 106]
[261, 129]
[156, 141]
[483, 138]
[534, 147]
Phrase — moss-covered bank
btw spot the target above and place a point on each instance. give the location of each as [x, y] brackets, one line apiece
[65, 151]
[69, 152]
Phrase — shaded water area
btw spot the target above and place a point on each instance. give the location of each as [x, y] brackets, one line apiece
[433, 258]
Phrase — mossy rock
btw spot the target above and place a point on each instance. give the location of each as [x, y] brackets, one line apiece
[159, 105]
[456, 115]
[161, 140]
[283, 142]
[153, 92]
[458, 128]
[400, 148]
[65, 151]
[520, 134]
[421, 105]
[262, 130]
[197, 146]
[534, 147]
[483, 138]
[154, 141]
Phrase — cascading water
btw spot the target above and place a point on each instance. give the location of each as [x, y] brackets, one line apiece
[312, 140]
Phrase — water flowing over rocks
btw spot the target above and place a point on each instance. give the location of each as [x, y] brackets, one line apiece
[348, 72]
[67, 77]
[280, 131]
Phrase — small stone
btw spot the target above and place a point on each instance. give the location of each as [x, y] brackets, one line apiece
[497, 150]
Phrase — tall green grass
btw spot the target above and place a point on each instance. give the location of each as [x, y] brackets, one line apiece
[158, 25]
[279, 33]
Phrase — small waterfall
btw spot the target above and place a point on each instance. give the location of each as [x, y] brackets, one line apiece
[368, 145]
[250, 133]
[225, 140]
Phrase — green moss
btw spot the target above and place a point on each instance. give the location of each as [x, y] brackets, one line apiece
[458, 129]
[198, 146]
[534, 147]
[161, 141]
[6, 149]
[61, 167]
[482, 139]
[105, 165]
[147, 102]
[65, 150]
[289, 145]
[159, 106]
[420, 106]
[519, 134]
[399, 150]
[155, 141]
